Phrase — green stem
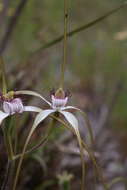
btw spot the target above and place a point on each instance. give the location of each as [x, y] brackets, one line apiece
[23, 154]
[21, 160]
[91, 155]
[5, 182]
[4, 83]
[42, 141]
[8, 144]
[76, 132]
[65, 44]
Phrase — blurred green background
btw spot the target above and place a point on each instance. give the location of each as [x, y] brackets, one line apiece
[96, 57]
[96, 72]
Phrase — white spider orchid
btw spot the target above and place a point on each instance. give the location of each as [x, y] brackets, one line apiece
[58, 103]
[13, 104]
[59, 100]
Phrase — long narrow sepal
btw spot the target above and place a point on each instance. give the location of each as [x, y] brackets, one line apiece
[32, 93]
[39, 118]
[86, 120]
[70, 107]
[72, 120]
[32, 109]
[3, 115]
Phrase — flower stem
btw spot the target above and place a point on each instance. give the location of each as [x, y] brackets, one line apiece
[23, 154]
[65, 44]
[91, 155]
[5, 182]
[4, 83]
[34, 148]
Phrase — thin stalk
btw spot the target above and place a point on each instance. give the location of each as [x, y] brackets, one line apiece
[82, 159]
[20, 161]
[34, 148]
[76, 132]
[65, 44]
[117, 180]
[8, 145]
[88, 125]
[22, 156]
[5, 182]
[4, 83]
[91, 155]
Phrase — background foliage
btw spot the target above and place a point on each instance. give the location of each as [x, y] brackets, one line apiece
[96, 75]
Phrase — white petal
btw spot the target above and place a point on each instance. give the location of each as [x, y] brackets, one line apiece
[70, 118]
[32, 109]
[3, 116]
[41, 116]
[28, 92]
[38, 119]
[70, 107]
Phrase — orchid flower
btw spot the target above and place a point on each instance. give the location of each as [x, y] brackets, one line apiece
[58, 103]
[59, 100]
[12, 104]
